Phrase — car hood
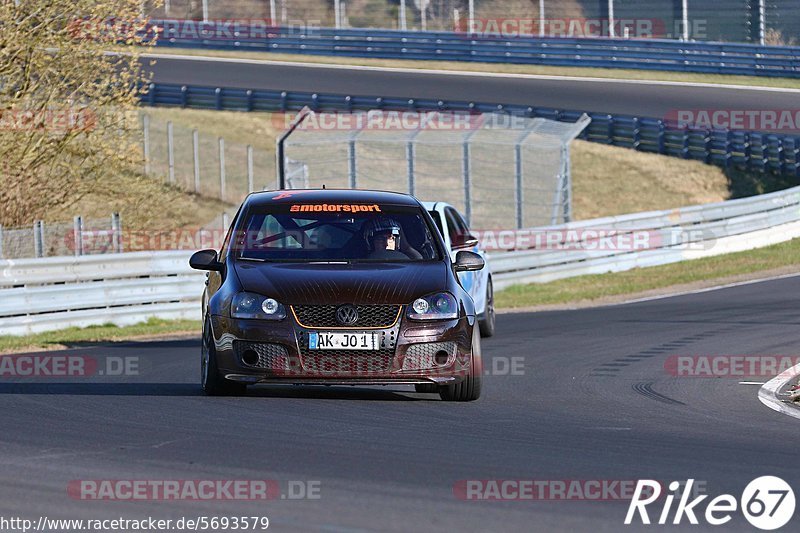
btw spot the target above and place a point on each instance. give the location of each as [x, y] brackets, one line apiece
[361, 283]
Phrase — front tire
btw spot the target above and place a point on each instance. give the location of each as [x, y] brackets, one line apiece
[211, 380]
[487, 323]
[470, 387]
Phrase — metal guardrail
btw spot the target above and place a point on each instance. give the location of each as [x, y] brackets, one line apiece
[53, 293]
[640, 54]
[752, 150]
[680, 234]
[59, 292]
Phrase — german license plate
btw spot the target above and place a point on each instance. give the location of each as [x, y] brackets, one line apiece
[343, 341]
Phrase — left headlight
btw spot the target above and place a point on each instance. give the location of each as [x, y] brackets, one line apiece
[440, 306]
[251, 305]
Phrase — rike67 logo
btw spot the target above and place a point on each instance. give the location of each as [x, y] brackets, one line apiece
[767, 503]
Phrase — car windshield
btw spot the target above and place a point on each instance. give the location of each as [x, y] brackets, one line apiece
[337, 233]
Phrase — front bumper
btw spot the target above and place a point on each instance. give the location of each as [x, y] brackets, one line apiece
[261, 351]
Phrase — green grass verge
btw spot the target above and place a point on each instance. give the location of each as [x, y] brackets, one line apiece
[104, 333]
[627, 74]
[594, 287]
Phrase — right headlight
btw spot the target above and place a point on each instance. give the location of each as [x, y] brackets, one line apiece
[439, 306]
[251, 305]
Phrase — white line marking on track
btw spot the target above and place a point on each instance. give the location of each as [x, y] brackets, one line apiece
[405, 70]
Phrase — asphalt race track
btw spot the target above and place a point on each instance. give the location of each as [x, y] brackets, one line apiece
[642, 99]
[593, 402]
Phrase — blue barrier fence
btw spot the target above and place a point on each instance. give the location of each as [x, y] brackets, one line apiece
[642, 54]
[763, 152]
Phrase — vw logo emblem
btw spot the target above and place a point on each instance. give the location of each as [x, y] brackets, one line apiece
[347, 315]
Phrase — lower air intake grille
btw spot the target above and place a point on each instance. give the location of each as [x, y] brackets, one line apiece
[347, 362]
[270, 356]
[422, 356]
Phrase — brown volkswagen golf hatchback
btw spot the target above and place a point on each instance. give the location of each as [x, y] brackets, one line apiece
[327, 287]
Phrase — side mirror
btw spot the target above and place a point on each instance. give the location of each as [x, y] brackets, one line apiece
[464, 241]
[469, 261]
[205, 260]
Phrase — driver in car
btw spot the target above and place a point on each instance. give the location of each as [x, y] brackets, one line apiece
[383, 238]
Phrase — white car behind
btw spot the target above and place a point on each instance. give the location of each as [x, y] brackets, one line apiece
[457, 237]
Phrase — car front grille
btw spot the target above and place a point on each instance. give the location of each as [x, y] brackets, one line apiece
[422, 356]
[347, 362]
[324, 316]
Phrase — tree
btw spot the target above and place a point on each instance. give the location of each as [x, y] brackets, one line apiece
[67, 101]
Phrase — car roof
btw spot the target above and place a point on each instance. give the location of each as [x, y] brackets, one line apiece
[330, 195]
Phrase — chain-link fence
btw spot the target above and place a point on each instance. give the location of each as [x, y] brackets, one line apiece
[82, 236]
[202, 163]
[501, 171]
[93, 236]
[766, 21]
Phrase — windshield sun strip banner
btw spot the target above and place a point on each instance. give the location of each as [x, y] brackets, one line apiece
[335, 208]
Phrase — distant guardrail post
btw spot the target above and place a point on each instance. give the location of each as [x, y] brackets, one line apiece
[411, 153]
[541, 18]
[611, 31]
[38, 238]
[685, 20]
[466, 173]
[221, 168]
[146, 136]
[77, 231]
[403, 23]
[351, 162]
[562, 203]
[565, 160]
[250, 186]
[116, 232]
[196, 152]
[410, 165]
[1, 241]
[171, 152]
[518, 196]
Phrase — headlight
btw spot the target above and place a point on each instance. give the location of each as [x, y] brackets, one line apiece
[250, 305]
[441, 306]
